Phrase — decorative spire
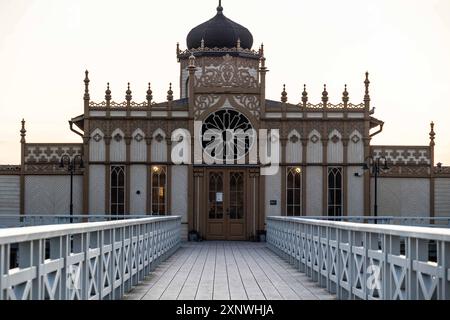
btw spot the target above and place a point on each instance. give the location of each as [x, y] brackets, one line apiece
[220, 8]
[432, 135]
[23, 132]
[108, 94]
[86, 86]
[149, 94]
[202, 43]
[262, 50]
[192, 61]
[128, 97]
[304, 96]
[345, 97]
[170, 93]
[284, 94]
[178, 48]
[325, 96]
[367, 84]
[263, 63]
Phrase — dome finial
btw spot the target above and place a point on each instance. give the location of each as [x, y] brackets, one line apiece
[432, 135]
[220, 8]
[284, 97]
[304, 96]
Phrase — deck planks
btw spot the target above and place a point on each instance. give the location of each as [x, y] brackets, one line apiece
[226, 271]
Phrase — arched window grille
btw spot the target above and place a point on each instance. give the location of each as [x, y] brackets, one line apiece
[117, 190]
[335, 196]
[294, 192]
[159, 190]
[227, 135]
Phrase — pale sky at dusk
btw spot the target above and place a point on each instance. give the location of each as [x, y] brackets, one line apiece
[45, 46]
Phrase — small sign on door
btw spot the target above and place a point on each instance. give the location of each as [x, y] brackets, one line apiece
[219, 196]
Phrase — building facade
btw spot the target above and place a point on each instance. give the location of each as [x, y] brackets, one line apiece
[128, 152]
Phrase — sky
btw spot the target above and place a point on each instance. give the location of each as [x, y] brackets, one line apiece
[46, 45]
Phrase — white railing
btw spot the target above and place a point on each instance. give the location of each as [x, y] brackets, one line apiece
[366, 261]
[86, 261]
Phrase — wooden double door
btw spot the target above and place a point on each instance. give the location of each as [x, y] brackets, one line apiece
[226, 204]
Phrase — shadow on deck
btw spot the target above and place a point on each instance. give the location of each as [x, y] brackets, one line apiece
[226, 271]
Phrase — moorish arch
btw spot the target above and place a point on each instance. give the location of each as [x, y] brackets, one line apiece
[97, 146]
[315, 147]
[294, 148]
[335, 147]
[138, 146]
[356, 147]
[159, 146]
[118, 146]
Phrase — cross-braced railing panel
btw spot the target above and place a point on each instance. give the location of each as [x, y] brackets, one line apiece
[366, 261]
[86, 261]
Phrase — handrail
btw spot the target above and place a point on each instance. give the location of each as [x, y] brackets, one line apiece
[402, 231]
[16, 235]
[83, 261]
[11, 221]
[366, 261]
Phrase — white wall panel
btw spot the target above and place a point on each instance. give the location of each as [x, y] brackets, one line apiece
[314, 182]
[355, 192]
[50, 195]
[179, 192]
[138, 182]
[408, 197]
[96, 189]
[273, 192]
[442, 197]
[9, 199]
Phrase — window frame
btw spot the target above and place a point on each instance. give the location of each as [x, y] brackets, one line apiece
[163, 170]
[297, 208]
[117, 169]
[335, 206]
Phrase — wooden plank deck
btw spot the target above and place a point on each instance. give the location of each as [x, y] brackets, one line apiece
[226, 271]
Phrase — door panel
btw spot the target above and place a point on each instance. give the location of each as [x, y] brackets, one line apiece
[226, 205]
[216, 209]
[236, 206]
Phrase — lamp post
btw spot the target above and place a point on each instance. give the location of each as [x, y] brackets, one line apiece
[71, 167]
[376, 166]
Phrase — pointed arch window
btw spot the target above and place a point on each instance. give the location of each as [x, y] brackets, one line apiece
[159, 190]
[294, 191]
[335, 197]
[117, 205]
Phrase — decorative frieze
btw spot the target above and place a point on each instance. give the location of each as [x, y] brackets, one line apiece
[227, 74]
[48, 153]
[403, 155]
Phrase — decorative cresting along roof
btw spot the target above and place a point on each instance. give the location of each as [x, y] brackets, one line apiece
[325, 100]
[220, 32]
[128, 103]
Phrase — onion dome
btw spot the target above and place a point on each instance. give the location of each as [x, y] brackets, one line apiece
[219, 32]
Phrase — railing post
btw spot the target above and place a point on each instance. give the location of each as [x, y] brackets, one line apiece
[444, 260]
[2, 268]
[31, 256]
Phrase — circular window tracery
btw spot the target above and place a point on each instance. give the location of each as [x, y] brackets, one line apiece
[227, 135]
